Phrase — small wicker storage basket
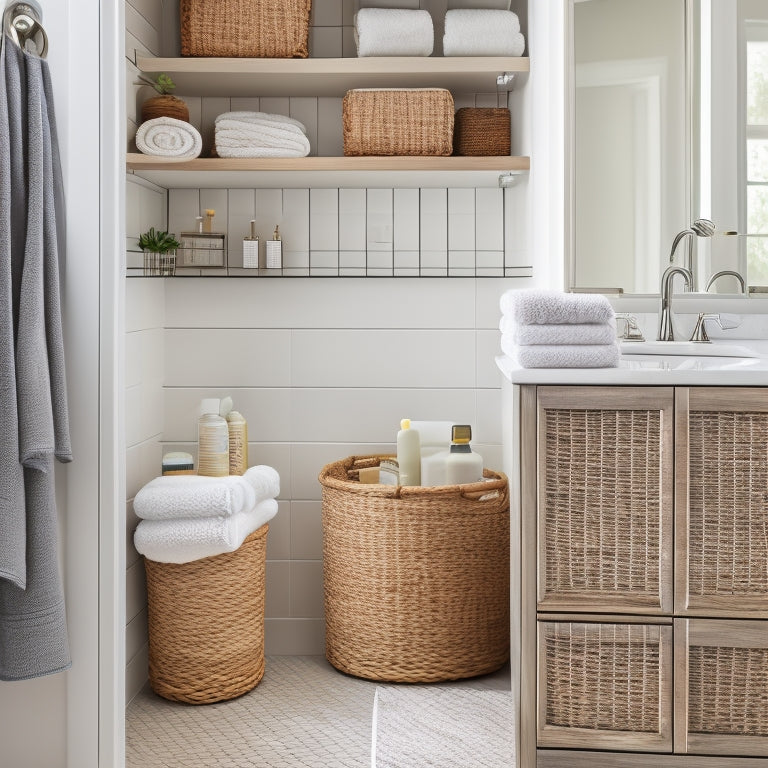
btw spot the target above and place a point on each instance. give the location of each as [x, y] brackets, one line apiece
[206, 624]
[416, 579]
[481, 131]
[400, 121]
[276, 29]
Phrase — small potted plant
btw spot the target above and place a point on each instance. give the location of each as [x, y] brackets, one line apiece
[164, 105]
[159, 252]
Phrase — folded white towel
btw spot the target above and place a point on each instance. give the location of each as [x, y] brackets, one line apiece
[393, 32]
[482, 32]
[259, 134]
[566, 355]
[168, 137]
[564, 333]
[193, 496]
[542, 307]
[184, 540]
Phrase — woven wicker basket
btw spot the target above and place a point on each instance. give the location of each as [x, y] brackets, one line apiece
[401, 121]
[275, 29]
[481, 131]
[416, 579]
[206, 624]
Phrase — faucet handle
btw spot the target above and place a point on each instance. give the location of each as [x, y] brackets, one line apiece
[632, 331]
[700, 332]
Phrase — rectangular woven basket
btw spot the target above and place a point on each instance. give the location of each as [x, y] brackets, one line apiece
[481, 131]
[206, 624]
[399, 121]
[274, 29]
[416, 579]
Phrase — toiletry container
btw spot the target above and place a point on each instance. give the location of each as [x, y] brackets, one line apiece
[251, 249]
[275, 251]
[238, 443]
[208, 221]
[462, 465]
[212, 440]
[435, 440]
[408, 454]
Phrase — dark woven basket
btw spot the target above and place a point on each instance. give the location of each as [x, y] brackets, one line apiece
[416, 579]
[206, 624]
[274, 29]
[481, 131]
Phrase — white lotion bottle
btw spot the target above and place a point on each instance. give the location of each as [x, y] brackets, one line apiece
[212, 440]
[462, 465]
[409, 454]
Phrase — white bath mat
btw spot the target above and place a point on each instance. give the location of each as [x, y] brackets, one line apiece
[447, 727]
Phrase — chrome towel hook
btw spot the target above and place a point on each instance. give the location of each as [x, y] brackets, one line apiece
[21, 23]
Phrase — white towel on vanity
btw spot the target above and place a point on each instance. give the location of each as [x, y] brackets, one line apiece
[564, 335]
[188, 539]
[168, 137]
[482, 32]
[566, 355]
[393, 32]
[542, 307]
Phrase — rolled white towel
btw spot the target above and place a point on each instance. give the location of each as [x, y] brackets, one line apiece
[482, 32]
[393, 32]
[566, 355]
[168, 137]
[563, 333]
[186, 539]
[542, 307]
[193, 496]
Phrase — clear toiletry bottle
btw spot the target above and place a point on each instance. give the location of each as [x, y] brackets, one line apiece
[251, 249]
[462, 465]
[212, 440]
[409, 454]
[238, 443]
[208, 221]
[275, 251]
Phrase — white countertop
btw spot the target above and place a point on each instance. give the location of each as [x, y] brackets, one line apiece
[704, 369]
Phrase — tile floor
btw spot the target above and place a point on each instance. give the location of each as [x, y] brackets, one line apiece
[302, 713]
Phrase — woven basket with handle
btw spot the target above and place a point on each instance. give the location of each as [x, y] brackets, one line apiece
[274, 29]
[416, 579]
[206, 624]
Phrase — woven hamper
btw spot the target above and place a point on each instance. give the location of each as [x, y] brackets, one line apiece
[416, 579]
[206, 624]
[481, 131]
[276, 29]
[400, 121]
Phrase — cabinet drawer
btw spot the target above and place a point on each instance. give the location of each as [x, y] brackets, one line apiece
[721, 687]
[722, 503]
[605, 500]
[605, 686]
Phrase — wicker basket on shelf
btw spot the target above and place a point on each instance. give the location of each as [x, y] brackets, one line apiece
[416, 579]
[206, 624]
[399, 121]
[481, 131]
[276, 29]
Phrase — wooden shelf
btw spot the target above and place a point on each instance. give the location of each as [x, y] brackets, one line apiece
[331, 172]
[332, 77]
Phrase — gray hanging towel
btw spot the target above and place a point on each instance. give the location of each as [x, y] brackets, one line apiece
[33, 633]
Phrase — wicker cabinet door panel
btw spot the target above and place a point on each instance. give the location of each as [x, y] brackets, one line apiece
[721, 687]
[605, 686]
[605, 500]
[722, 502]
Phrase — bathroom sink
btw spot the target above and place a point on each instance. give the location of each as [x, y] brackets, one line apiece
[686, 349]
[690, 363]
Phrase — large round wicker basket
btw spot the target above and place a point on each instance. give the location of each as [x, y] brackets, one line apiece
[206, 624]
[416, 579]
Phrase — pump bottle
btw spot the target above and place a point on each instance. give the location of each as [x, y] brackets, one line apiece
[462, 465]
[409, 454]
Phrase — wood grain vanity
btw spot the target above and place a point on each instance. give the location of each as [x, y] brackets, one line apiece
[643, 574]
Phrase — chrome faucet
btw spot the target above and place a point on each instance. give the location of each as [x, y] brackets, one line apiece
[666, 332]
[725, 272]
[700, 228]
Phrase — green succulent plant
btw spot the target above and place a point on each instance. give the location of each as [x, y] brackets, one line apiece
[162, 83]
[157, 242]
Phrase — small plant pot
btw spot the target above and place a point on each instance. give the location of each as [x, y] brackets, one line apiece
[164, 106]
[160, 264]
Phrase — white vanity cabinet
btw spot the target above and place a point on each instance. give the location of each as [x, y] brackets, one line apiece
[644, 576]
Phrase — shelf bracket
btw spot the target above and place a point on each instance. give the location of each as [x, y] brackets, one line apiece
[509, 178]
[505, 80]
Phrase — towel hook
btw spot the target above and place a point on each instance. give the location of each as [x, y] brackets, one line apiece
[22, 25]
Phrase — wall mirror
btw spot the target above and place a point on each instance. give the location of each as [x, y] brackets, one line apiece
[668, 124]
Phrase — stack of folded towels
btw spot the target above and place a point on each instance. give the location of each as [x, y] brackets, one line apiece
[393, 32]
[550, 329]
[169, 137]
[482, 32]
[259, 134]
[188, 517]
